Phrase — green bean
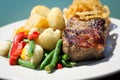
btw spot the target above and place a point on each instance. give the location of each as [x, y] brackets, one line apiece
[27, 64]
[65, 61]
[68, 63]
[31, 48]
[65, 57]
[26, 40]
[9, 49]
[55, 58]
[47, 60]
[45, 54]
[9, 53]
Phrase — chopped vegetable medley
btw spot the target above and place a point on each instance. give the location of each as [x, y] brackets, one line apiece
[38, 43]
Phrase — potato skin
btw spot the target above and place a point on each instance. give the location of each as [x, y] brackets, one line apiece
[56, 19]
[37, 21]
[40, 10]
[49, 38]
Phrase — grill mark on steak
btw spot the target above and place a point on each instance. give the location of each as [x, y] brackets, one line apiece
[84, 38]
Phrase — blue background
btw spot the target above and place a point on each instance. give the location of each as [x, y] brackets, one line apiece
[15, 10]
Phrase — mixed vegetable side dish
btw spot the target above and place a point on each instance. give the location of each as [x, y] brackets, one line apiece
[51, 40]
[38, 43]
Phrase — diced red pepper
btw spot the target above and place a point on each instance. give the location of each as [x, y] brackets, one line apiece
[17, 39]
[33, 35]
[59, 66]
[15, 55]
[17, 47]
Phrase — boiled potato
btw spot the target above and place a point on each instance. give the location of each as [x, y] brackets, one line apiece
[49, 38]
[56, 19]
[37, 21]
[4, 48]
[40, 10]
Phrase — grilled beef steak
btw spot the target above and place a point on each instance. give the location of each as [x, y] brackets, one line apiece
[84, 40]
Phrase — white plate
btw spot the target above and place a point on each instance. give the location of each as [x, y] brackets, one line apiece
[85, 70]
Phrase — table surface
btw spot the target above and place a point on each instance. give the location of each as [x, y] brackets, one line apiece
[115, 76]
[15, 10]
